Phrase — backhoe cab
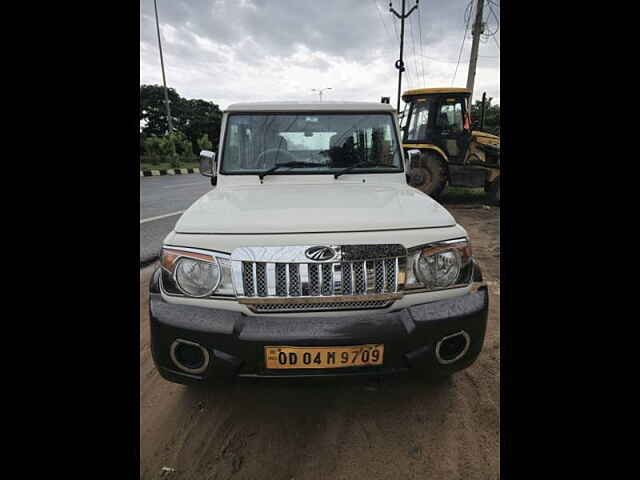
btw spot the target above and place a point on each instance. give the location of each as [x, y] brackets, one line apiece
[443, 150]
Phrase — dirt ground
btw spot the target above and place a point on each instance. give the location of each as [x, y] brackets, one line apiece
[395, 428]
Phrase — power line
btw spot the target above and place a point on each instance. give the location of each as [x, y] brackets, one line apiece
[384, 25]
[393, 23]
[395, 29]
[492, 3]
[409, 74]
[320, 90]
[400, 62]
[466, 28]
[421, 50]
[397, 36]
[417, 57]
[454, 61]
[486, 22]
[413, 46]
[495, 16]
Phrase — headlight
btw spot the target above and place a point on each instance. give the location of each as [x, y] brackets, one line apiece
[197, 278]
[440, 265]
[195, 273]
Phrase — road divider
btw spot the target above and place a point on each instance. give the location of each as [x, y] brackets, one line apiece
[169, 171]
[159, 217]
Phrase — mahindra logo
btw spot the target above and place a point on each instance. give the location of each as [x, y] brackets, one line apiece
[320, 254]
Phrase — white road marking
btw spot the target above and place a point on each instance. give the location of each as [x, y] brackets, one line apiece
[183, 185]
[151, 219]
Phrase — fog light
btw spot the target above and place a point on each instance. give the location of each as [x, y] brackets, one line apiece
[189, 356]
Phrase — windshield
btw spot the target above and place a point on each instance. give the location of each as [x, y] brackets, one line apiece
[326, 142]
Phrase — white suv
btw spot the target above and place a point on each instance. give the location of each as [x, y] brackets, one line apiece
[312, 256]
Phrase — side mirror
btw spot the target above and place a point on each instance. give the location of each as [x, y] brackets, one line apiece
[412, 155]
[207, 163]
[408, 161]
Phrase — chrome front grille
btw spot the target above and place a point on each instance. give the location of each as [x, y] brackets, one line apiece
[347, 278]
[390, 273]
[261, 279]
[327, 283]
[282, 285]
[327, 279]
[295, 287]
[314, 279]
[355, 272]
[247, 278]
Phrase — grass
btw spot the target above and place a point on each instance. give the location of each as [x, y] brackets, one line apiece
[457, 195]
[167, 165]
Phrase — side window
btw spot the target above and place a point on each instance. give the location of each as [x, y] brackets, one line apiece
[419, 120]
[457, 116]
[450, 116]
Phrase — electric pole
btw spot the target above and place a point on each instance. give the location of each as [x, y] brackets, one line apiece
[164, 80]
[320, 90]
[478, 29]
[400, 62]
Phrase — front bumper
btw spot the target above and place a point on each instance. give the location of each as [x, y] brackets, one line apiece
[235, 342]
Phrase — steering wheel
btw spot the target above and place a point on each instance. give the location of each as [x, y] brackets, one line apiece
[262, 164]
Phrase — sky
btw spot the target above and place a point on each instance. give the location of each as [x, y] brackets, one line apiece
[229, 51]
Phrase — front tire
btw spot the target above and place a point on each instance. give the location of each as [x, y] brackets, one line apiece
[429, 174]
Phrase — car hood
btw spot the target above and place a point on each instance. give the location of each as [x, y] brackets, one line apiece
[290, 208]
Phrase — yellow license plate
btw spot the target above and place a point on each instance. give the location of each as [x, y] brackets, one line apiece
[282, 357]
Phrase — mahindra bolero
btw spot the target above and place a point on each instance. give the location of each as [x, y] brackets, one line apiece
[312, 256]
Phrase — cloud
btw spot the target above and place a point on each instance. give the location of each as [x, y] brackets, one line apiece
[256, 50]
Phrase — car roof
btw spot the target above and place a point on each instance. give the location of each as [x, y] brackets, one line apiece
[427, 91]
[310, 107]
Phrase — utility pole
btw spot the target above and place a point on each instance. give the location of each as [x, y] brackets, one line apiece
[164, 80]
[478, 29]
[320, 90]
[400, 62]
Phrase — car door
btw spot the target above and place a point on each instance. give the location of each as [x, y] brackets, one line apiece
[453, 133]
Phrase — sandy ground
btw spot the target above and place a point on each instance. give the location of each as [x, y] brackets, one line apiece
[397, 428]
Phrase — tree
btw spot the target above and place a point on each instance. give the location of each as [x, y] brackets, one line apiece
[204, 143]
[491, 116]
[154, 149]
[201, 118]
[153, 111]
[182, 145]
[193, 118]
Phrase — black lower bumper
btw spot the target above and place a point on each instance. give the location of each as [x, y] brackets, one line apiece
[235, 342]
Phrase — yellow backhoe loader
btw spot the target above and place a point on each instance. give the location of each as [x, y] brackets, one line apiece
[442, 148]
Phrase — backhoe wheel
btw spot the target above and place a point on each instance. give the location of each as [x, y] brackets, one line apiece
[428, 174]
[493, 189]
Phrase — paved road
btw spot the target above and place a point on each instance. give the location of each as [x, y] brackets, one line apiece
[160, 198]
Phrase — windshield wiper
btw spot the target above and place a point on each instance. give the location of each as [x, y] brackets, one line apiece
[290, 165]
[364, 163]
